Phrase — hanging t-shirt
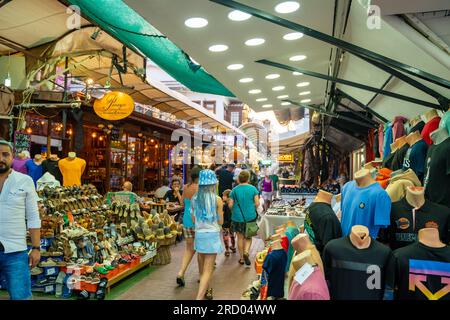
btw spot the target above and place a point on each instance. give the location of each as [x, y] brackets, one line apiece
[388, 160]
[275, 266]
[72, 170]
[437, 180]
[415, 158]
[349, 270]
[429, 127]
[404, 228]
[291, 233]
[422, 273]
[387, 140]
[368, 206]
[321, 224]
[399, 156]
[313, 288]
[52, 167]
[34, 170]
[445, 121]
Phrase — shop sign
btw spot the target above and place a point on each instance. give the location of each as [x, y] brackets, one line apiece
[289, 157]
[22, 141]
[114, 105]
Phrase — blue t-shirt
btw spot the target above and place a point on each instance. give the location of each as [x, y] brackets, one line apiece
[415, 158]
[368, 206]
[245, 196]
[34, 170]
[387, 140]
[275, 266]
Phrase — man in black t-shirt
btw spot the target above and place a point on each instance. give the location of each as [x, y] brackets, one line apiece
[226, 178]
[322, 224]
[422, 272]
[403, 229]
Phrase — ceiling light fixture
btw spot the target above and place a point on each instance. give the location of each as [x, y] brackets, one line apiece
[305, 100]
[284, 96]
[287, 7]
[278, 88]
[285, 103]
[293, 36]
[196, 23]
[295, 73]
[302, 84]
[304, 93]
[246, 80]
[254, 91]
[266, 106]
[272, 76]
[261, 99]
[298, 58]
[237, 15]
[218, 48]
[236, 66]
[254, 42]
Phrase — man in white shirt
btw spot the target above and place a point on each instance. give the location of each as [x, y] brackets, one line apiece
[18, 213]
[161, 191]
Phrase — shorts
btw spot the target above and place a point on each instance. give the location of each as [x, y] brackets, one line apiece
[267, 195]
[208, 242]
[239, 227]
[189, 232]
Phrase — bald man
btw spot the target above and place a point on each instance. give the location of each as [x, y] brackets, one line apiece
[128, 187]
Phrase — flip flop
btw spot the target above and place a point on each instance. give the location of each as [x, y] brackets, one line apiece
[101, 289]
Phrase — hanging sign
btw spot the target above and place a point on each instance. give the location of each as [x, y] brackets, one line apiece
[114, 105]
[22, 141]
[288, 157]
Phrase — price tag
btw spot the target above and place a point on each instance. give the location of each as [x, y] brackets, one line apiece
[303, 273]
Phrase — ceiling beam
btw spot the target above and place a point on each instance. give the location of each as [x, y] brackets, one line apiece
[355, 113]
[350, 83]
[347, 46]
[362, 105]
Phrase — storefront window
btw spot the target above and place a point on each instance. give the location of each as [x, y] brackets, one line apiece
[118, 160]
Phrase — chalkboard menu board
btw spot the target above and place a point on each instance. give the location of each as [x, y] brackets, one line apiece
[22, 141]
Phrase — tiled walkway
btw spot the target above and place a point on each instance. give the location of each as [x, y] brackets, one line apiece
[230, 279]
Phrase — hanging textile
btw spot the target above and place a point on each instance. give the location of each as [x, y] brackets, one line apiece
[398, 128]
[370, 156]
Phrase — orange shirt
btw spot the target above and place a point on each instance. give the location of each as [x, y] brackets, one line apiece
[72, 170]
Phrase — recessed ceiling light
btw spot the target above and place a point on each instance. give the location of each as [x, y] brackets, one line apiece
[287, 7]
[196, 23]
[278, 88]
[285, 103]
[246, 80]
[302, 84]
[304, 93]
[266, 106]
[254, 91]
[261, 99]
[237, 15]
[235, 66]
[305, 100]
[284, 96]
[218, 48]
[295, 73]
[272, 76]
[298, 58]
[255, 42]
[293, 36]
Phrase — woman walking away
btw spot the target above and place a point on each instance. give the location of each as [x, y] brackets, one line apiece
[207, 209]
[244, 200]
[267, 191]
[188, 225]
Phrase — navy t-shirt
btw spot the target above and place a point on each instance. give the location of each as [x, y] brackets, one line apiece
[415, 158]
[275, 266]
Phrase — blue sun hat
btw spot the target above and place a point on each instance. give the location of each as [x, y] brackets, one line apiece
[207, 177]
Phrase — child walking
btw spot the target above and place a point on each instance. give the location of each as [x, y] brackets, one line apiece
[227, 235]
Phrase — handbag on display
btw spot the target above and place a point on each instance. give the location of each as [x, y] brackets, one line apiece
[251, 228]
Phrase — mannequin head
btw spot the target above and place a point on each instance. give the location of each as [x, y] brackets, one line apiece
[360, 236]
[37, 158]
[338, 197]
[430, 114]
[401, 141]
[413, 137]
[291, 223]
[415, 196]
[54, 157]
[364, 178]
[394, 146]
[415, 121]
[439, 135]
[276, 245]
[72, 155]
[430, 237]
[301, 242]
[323, 196]
[305, 257]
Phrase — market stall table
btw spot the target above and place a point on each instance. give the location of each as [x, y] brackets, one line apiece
[269, 223]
